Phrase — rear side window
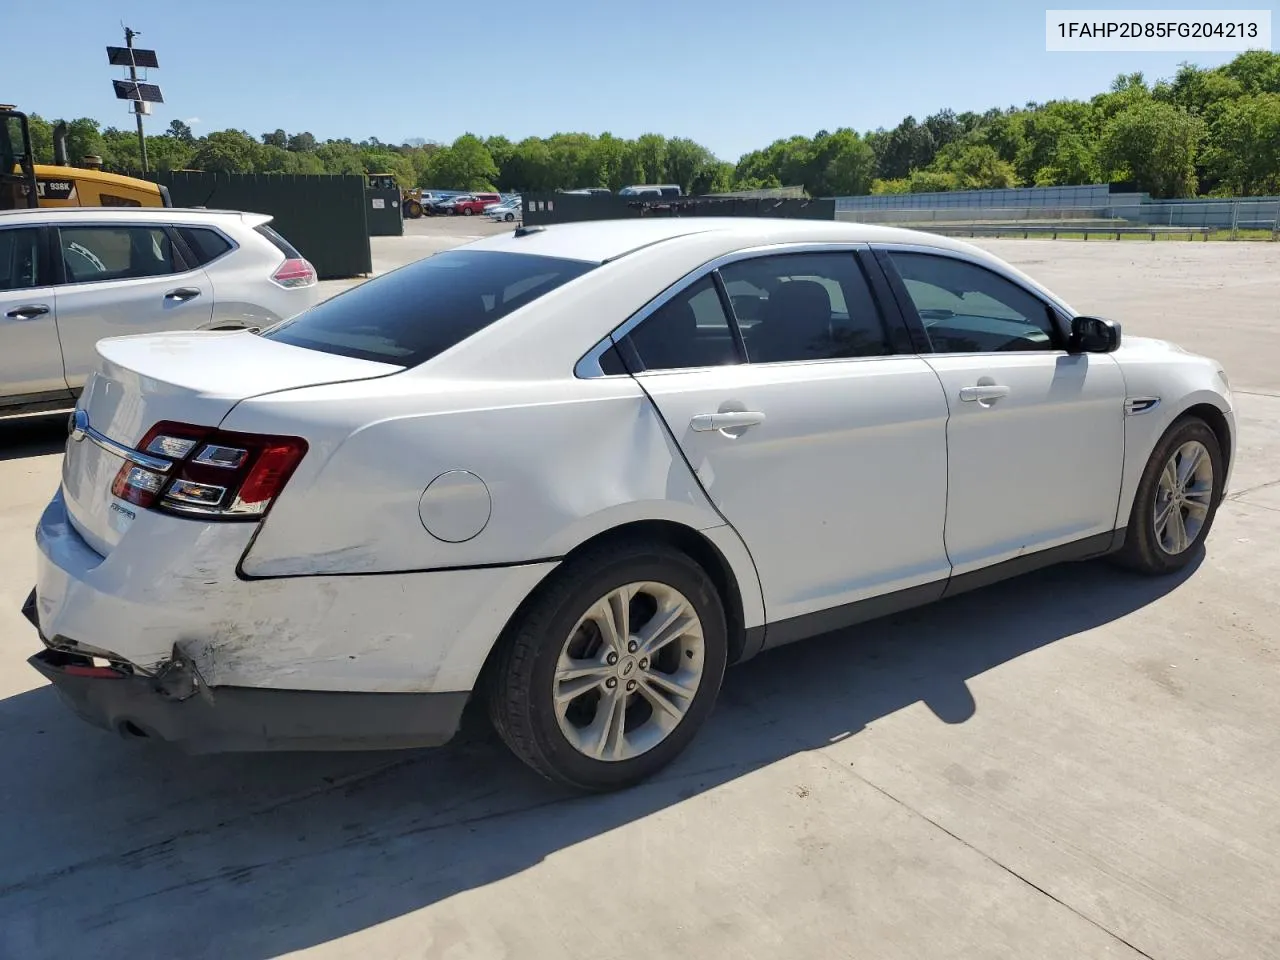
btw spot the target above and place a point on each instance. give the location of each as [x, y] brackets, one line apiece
[280, 243]
[689, 330]
[805, 306]
[412, 314]
[206, 244]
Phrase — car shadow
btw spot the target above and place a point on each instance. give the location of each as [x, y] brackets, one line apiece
[113, 846]
[33, 435]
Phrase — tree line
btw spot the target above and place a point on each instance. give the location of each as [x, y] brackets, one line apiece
[1203, 132]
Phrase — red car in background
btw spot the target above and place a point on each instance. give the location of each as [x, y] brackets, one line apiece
[475, 203]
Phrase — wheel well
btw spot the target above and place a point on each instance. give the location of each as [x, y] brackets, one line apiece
[1212, 416]
[685, 539]
[702, 551]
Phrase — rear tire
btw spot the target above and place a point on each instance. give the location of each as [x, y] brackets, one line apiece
[1176, 501]
[509, 217]
[597, 714]
[468, 211]
[413, 209]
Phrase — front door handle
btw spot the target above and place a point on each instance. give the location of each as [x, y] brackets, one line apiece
[730, 420]
[28, 311]
[983, 394]
[182, 294]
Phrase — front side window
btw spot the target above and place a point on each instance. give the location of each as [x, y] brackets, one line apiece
[95, 254]
[19, 258]
[966, 308]
[410, 315]
[689, 330]
[805, 306]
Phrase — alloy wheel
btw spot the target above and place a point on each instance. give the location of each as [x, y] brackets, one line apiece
[629, 671]
[1183, 497]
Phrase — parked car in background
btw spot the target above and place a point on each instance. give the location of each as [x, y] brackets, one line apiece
[507, 211]
[590, 191]
[74, 275]
[475, 203]
[575, 472]
[442, 203]
[651, 190]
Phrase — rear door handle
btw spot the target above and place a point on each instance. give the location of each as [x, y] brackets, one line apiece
[182, 294]
[28, 311]
[983, 394]
[707, 422]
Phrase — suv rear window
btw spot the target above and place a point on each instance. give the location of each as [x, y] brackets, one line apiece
[412, 314]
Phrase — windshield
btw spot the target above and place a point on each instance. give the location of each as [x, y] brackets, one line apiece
[412, 314]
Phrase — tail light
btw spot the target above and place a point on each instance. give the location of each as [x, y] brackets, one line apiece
[215, 474]
[295, 272]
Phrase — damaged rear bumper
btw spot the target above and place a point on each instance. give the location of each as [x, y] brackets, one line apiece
[174, 706]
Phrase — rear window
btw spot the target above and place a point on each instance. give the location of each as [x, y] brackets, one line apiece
[412, 314]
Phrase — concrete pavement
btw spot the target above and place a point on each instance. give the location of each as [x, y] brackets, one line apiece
[1076, 764]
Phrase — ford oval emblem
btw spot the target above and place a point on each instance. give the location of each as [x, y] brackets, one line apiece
[78, 425]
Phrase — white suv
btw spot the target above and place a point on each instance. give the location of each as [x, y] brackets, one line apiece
[70, 277]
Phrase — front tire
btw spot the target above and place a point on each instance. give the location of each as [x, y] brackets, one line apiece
[1176, 501]
[612, 668]
[468, 212]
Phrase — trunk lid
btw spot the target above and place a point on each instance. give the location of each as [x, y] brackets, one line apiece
[190, 377]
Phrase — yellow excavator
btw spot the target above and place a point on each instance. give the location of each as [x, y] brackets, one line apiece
[25, 183]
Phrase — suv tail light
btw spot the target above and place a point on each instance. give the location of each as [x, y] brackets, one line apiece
[215, 474]
[295, 272]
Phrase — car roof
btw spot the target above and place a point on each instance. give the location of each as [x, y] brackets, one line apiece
[145, 214]
[598, 241]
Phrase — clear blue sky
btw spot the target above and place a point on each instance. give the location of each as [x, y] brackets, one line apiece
[732, 75]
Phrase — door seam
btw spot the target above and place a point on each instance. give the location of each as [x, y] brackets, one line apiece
[684, 458]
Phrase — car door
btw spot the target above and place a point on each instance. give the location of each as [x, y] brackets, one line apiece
[121, 279]
[1035, 437]
[823, 447]
[30, 355]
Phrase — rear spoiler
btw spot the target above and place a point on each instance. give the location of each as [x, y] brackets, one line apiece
[165, 199]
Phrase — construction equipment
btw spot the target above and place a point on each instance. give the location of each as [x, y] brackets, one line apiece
[25, 183]
[411, 202]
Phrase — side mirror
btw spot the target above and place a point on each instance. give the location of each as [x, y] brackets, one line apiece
[1094, 335]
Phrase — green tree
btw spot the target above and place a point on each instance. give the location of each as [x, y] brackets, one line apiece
[1155, 145]
[229, 151]
[301, 142]
[465, 165]
[179, 130]
[41, 131]
[278, 139]
[1244, 145]
[848, 166]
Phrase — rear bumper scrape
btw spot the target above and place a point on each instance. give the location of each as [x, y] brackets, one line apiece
[171, 703]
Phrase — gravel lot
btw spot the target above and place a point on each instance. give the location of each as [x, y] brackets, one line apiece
[1077, 764]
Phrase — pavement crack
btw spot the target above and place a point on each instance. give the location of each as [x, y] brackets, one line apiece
[1237, 494]
[989, 858]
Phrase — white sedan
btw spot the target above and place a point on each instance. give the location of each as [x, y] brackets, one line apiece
[578, 470]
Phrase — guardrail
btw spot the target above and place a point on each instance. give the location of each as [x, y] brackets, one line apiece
[1070, 229]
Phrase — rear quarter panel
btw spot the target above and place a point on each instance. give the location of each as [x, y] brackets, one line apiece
[562, 461]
